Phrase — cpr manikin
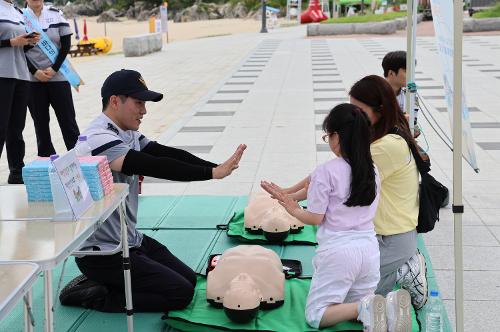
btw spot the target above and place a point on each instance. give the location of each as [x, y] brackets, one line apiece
[246, 278]
[264, 214]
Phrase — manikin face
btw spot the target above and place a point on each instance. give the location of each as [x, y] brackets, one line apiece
[397, 80]
[372, 115]
[127, 114]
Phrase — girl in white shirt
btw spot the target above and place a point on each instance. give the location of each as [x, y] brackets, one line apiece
[342, 199]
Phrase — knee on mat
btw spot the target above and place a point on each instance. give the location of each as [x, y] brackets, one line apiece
[182, 298]
[312, 317]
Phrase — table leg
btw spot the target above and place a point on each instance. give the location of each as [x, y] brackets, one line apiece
[28, 301]
[126, 269]
[49, 302]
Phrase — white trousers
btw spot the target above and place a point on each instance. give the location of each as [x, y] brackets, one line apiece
[342, 275]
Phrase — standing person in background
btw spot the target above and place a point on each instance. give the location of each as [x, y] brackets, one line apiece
[49, 87]
[14, 86]
[394, 65]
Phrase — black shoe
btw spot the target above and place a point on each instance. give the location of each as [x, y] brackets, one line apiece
[82, 292]
[15, 178]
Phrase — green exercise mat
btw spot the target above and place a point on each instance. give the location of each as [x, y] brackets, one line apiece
[236, 228]
[290, 317]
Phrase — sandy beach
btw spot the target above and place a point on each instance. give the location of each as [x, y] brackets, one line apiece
[177, 31]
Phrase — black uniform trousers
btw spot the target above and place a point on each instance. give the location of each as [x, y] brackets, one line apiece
[160, 281]
[13, 101]
[57, 94]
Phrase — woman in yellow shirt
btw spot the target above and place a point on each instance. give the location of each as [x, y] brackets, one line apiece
[397, 214]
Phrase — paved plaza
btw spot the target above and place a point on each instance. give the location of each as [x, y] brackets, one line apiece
[272, 91]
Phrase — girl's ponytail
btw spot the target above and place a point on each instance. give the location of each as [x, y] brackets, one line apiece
[353, 128]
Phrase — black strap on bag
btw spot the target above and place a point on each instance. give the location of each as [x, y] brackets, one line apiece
[432, 193]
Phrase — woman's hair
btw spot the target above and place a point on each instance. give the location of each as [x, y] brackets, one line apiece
[377, 93]
[353, 128]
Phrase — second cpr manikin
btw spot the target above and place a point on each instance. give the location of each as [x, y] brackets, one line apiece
[265, 215]
[246, 278]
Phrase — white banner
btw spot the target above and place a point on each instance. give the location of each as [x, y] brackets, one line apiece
[442, 15]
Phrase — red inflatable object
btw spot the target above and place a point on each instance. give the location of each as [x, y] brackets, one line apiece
[85, 38]
[313, 14]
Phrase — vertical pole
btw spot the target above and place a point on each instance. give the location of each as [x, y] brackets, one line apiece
[126, 269]
[29, 322]
[263, 28]
[458, 207]
[410, 62]
[49, 302]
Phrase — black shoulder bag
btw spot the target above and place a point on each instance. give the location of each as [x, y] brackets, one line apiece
[432, 193]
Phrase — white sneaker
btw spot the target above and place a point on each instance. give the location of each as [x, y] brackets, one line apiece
[415, 281]
[398, 311]
[371, 312]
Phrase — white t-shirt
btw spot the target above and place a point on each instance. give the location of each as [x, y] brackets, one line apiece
[329, 189]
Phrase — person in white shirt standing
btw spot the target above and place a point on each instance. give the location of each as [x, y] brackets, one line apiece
[14, 86]
[49, 87]
[394, 65]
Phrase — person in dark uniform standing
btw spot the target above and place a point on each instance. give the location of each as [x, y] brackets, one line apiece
[14, 86]
[49, 86]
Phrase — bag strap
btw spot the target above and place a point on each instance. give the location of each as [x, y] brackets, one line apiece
[422, 166]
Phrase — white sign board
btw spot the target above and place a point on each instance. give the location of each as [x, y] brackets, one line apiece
[75, 187]
[442, 14]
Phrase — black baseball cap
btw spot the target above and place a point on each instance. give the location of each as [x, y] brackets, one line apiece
[130, 83]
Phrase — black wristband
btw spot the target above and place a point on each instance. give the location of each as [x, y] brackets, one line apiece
[5, 43]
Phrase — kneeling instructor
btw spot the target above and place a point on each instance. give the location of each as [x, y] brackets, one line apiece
[160, 281]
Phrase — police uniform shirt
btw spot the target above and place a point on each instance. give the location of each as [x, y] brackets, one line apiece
[107, 139]
[12, 59]
[53, 23]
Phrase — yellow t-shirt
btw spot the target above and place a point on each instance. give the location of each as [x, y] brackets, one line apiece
[397, 211]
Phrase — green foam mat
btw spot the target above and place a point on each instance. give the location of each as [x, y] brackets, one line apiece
[152, 209]
[192, 244]
[200, 212]
[97, 321]
[432, 283]
[189, 246]
[236, 229]
[200, 316]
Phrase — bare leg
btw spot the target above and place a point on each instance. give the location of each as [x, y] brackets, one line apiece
[337, 313]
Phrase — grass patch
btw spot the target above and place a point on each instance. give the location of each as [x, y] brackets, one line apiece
[366, 18]
[488, 13]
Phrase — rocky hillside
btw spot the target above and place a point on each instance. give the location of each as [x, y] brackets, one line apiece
[142, 10]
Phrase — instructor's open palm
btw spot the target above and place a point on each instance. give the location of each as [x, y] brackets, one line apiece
[227, 167]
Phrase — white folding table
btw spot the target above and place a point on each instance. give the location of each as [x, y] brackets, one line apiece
[16, 279]
[28, 234]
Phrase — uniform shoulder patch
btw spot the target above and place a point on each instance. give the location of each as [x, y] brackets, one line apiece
[112, 128]
[54, 9]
